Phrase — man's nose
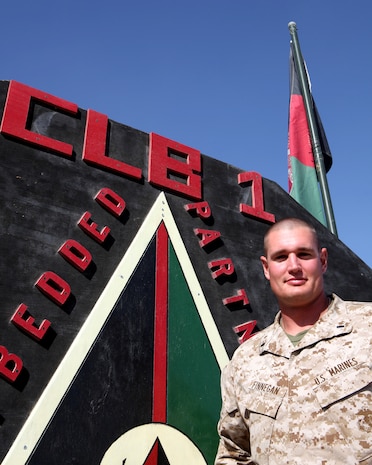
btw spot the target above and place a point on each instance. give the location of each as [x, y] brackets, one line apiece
[293, 262]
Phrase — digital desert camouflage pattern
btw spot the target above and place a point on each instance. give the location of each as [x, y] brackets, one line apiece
[304, 405]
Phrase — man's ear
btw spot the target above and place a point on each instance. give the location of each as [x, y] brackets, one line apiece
[324, 259]
[265, 266]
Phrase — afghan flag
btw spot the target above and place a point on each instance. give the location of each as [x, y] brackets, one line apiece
[303, 183]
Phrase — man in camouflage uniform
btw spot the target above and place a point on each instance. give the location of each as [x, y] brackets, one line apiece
[299, 392]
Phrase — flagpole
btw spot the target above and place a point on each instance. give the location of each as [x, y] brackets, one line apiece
[314, 135]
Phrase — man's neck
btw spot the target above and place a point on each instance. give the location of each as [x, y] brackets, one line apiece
[299, 318]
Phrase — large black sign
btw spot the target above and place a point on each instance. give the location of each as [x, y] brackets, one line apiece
[130, 273]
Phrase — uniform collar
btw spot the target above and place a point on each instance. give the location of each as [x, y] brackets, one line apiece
[334, 322]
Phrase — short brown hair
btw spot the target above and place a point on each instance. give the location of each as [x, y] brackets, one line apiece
[290, 223]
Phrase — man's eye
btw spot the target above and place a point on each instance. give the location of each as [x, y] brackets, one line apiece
[280, 258]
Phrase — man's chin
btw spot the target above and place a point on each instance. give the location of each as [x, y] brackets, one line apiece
[297, 295]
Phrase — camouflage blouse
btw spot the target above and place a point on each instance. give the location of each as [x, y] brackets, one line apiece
[309, 404]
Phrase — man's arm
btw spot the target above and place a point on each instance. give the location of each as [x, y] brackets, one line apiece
[234, 446]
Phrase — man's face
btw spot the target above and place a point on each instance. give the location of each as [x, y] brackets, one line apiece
[294, 266]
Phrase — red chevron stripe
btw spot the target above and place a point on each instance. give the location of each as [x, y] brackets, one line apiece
[159, 410]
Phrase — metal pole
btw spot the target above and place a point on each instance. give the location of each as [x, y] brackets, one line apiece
[314, 135]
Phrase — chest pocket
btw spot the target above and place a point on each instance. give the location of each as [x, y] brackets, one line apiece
[344, 384]
[262, 399]
[259, 404]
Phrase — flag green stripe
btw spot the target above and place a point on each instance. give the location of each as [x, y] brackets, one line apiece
[305, 189]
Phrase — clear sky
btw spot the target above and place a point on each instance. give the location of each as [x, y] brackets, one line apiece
[213, 75]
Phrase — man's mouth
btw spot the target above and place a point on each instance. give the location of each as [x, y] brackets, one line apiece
[296, 281]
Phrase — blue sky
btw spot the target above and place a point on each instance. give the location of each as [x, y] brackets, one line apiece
[213, 75]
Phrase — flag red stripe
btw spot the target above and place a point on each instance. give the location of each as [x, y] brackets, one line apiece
[299, 137]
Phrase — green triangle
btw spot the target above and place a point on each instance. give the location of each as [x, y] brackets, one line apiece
[193, 395]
